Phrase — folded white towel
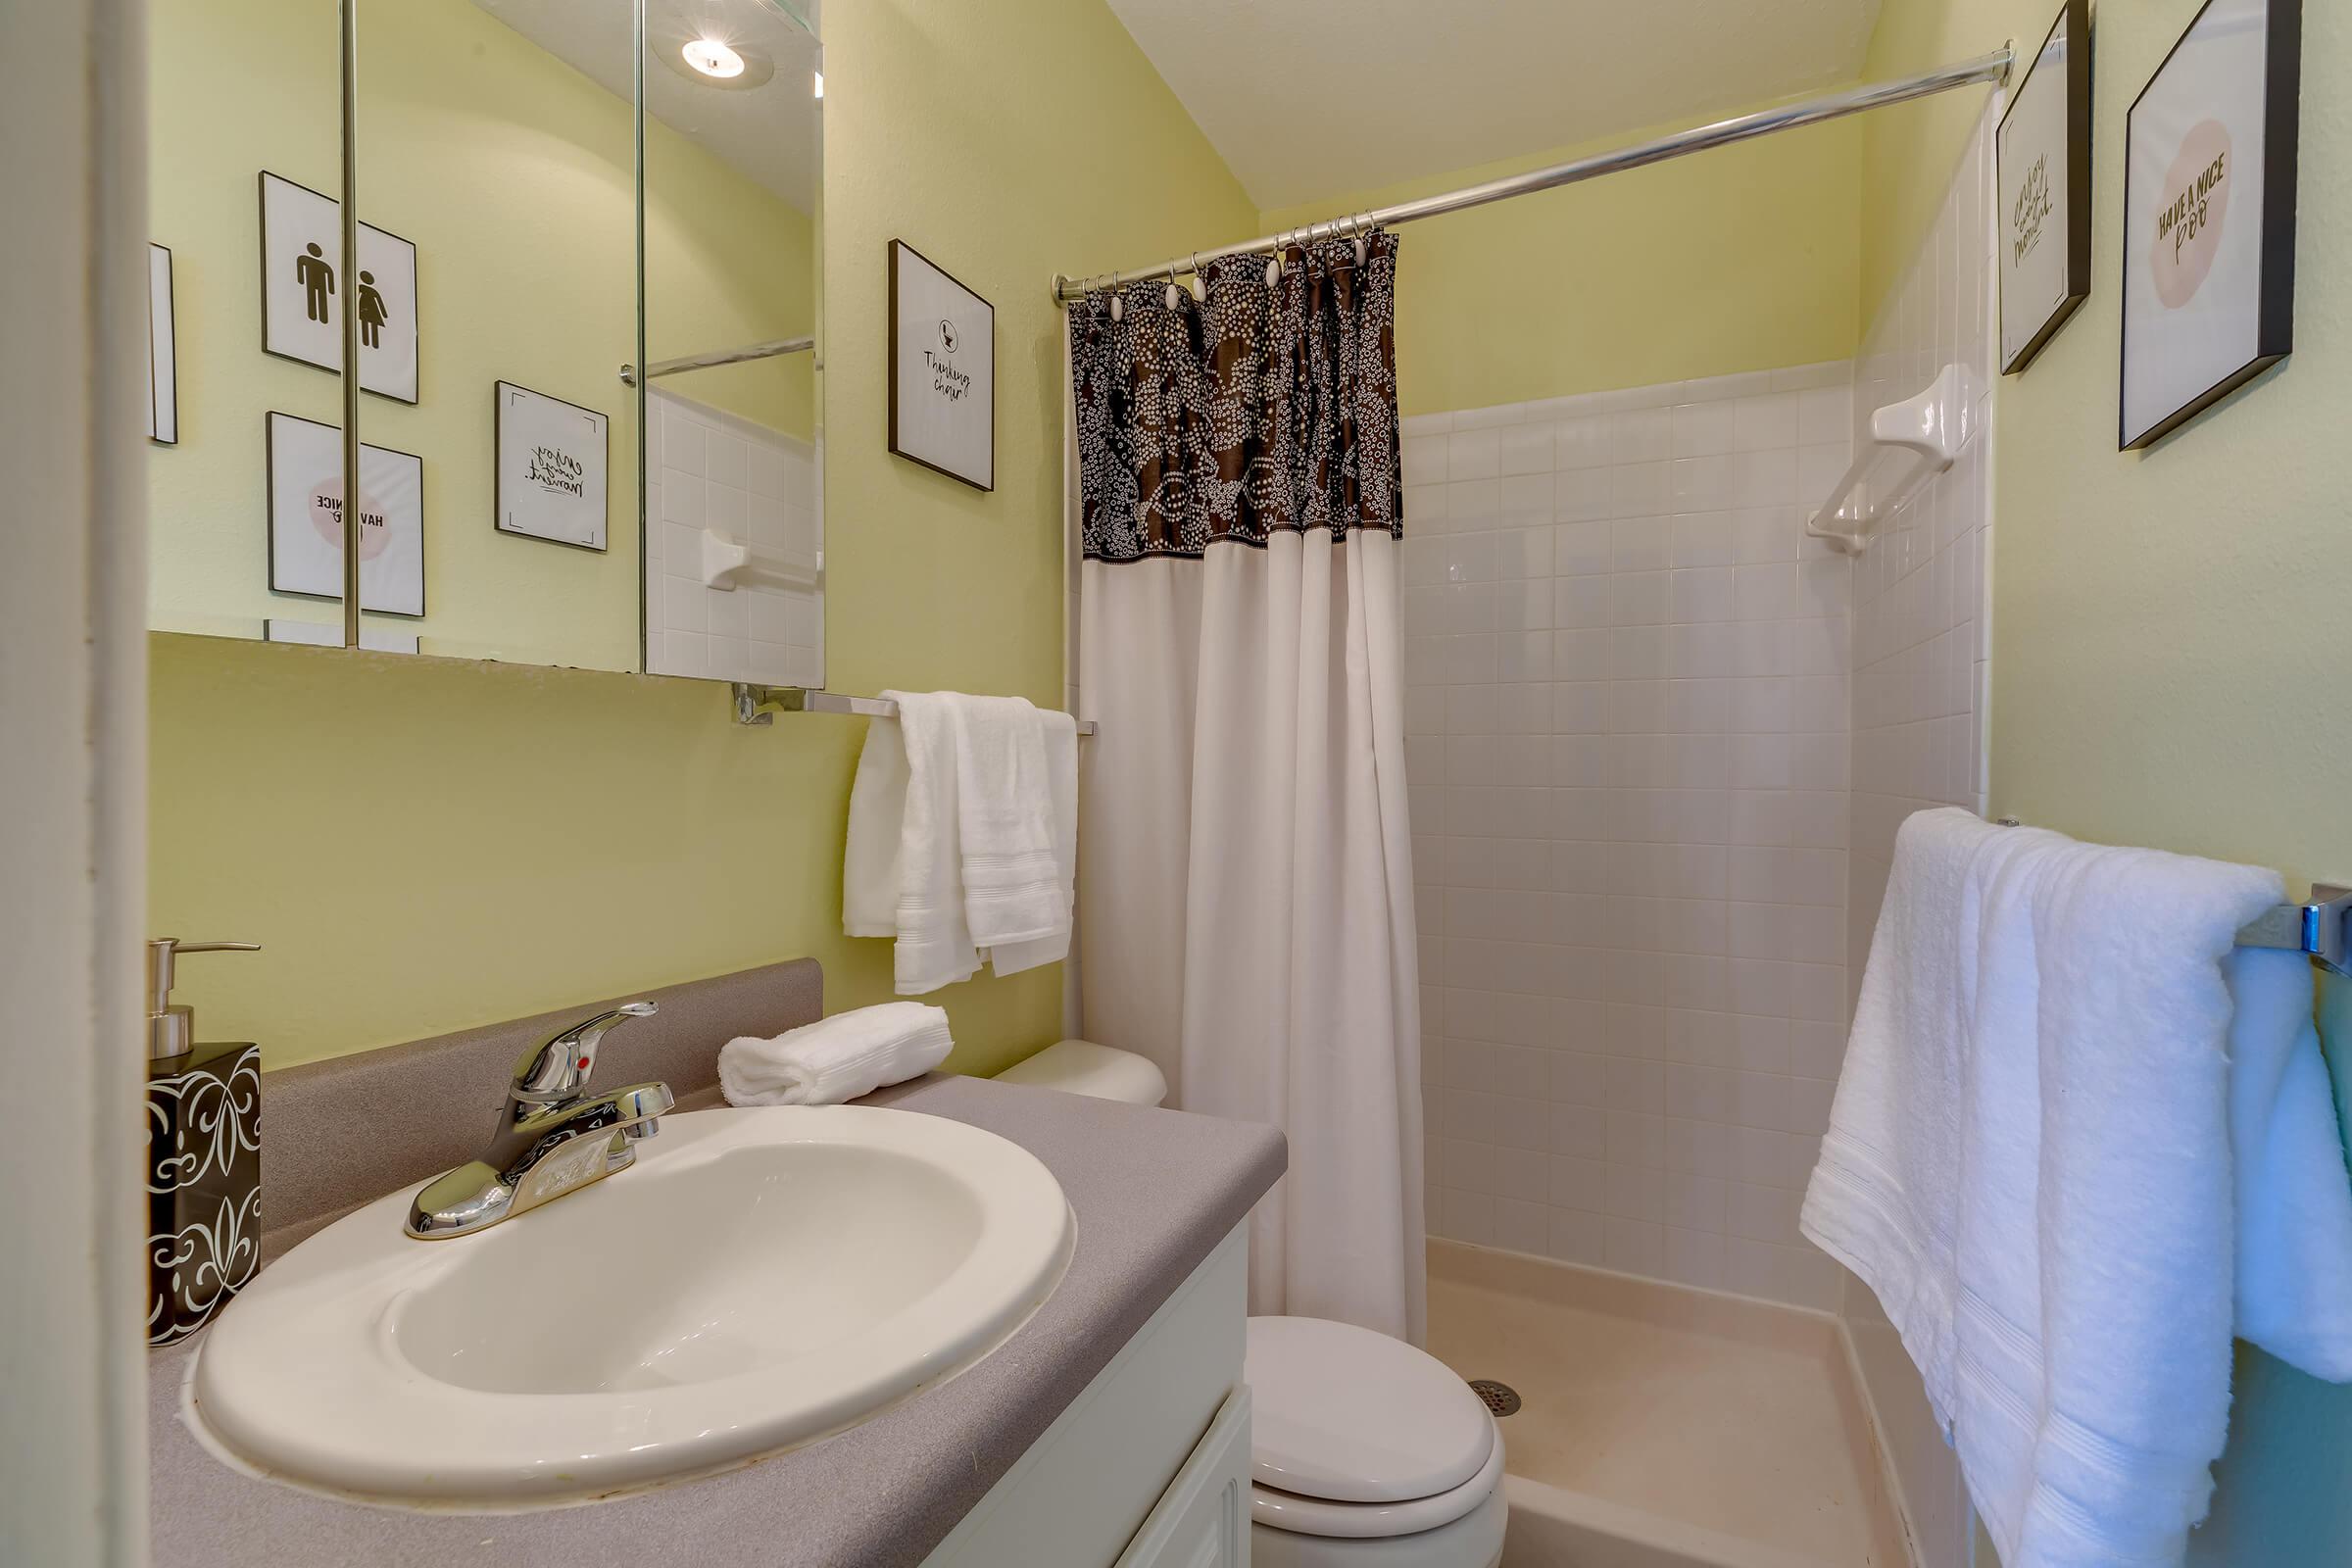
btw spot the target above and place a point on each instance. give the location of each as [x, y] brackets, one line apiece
[2031, 1159]
[836, 1058]
[1004, 819]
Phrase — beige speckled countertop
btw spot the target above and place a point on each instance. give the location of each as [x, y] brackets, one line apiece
[1154, 1192]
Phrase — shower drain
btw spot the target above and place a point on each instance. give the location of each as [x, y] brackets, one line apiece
[1499, 1398]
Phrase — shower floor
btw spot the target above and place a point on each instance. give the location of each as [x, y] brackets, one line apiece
[1664, 1427]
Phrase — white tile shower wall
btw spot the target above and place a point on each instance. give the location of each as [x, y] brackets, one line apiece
[1921, 612]
[709, 469]
[1627, 707]
[1920, 628]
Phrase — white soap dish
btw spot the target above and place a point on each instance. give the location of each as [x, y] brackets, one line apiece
[1909, 442]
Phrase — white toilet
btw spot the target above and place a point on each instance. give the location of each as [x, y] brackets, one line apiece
[1365, 1452]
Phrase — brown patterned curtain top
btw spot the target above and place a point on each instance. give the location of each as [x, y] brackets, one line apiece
[1257, 410]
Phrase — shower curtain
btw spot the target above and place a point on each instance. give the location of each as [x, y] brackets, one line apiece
[1246, 903]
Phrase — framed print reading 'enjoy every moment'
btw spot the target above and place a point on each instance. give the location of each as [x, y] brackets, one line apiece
[2209, 216]
[551, 460]
[943, 371]
[2044, 175]
[306, 518]
[304, 293]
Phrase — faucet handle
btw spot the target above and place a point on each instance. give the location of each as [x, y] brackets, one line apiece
[555, 1069]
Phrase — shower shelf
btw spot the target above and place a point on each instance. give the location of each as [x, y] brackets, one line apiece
[1908, 444]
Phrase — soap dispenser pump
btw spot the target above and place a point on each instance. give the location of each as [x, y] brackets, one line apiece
[204, 1157]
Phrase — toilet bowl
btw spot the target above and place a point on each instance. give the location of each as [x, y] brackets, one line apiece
[1365, 1452]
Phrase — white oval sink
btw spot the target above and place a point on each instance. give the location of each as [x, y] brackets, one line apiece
[759, 1278]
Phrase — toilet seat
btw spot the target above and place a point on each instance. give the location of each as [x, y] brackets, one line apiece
[1356, 1436]
[1360, 1521]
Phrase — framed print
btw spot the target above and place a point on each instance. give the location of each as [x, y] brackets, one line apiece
[306, 518]
[943, 371]
[326, 634]
[552, 467]
[303, 297]
[2043, 149]
[2209, 216]
[163, 351]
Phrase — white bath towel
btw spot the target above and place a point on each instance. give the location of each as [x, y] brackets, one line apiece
[905, 871]
[1060, 737]
[2043, 1191]
[1004, 815]
[836, 1058]
[934, 946]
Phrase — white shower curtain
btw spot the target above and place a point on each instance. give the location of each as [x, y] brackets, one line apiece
[1245, 911]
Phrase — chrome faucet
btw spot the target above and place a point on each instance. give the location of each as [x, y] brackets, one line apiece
[553, 1138]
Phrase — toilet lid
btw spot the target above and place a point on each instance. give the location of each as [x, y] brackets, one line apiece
[1342, 1413]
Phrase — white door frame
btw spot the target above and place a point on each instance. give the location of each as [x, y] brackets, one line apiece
[72, 781]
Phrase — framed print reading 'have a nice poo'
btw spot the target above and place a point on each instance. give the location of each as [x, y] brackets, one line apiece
[2209, 216]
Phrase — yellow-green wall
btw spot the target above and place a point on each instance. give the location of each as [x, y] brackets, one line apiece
[2162, 661]
[514, 176]
[426, 845]
[1742, 259]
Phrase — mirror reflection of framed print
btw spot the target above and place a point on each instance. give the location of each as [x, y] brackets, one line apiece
[2044, 191]
[306, 518]
[304, 294]
[943, 371]
[2209, 216]
[329, 634]
[552, 460]
[163, 351]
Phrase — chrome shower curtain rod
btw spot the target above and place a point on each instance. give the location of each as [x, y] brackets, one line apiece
[1994, 68]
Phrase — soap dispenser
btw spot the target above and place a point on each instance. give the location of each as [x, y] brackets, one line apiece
[204, 1157]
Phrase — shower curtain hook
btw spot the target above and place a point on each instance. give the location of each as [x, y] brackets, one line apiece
[1360, 250]
[1118, 303]
[1274, 261]
[1174, 293]
[1200, 284]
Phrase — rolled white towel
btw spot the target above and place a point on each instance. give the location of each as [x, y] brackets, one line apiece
[836, 1058]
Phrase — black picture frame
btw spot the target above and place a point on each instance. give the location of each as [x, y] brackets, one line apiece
[269, 505]
[2275, 315]
[262, 267]
[2075, 18]
[896, 449]
[498, 501]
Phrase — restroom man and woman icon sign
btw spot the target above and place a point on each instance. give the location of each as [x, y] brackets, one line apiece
[317, 275]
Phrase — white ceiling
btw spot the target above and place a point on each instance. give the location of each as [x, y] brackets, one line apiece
[1311, 99]
[767, 132]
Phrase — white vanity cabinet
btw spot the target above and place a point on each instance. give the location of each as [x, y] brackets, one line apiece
[1150, 1466]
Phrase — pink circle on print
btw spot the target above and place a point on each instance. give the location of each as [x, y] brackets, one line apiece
[326, 515]
[2188, 226]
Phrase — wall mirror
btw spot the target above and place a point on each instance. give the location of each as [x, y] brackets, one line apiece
[549, 195]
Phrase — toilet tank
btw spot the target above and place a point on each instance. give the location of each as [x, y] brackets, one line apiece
[1083, 1067]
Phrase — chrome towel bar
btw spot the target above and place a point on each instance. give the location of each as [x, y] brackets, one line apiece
[760, 705]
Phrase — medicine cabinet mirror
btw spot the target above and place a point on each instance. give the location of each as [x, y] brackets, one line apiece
[549, 195]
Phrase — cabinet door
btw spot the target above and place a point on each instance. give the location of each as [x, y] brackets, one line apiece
[1203, 1519]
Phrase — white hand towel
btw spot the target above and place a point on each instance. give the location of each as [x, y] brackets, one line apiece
[1005, 816]
[2043, 1192]
[836, 1058]
[935, 946]
[2294, 1195]
[869, 862]
[1060, 732]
